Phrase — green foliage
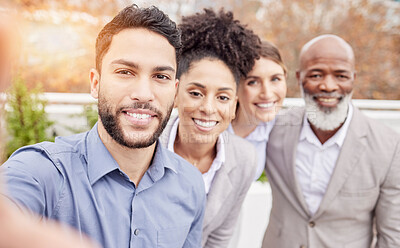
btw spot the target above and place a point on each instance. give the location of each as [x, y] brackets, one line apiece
[91, 114]
[27, 121]
[263, 178]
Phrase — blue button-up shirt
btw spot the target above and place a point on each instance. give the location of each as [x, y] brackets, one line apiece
[76, 181]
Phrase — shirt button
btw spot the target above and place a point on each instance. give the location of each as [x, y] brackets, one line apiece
[303, 246]
[311, 224]
[136, 232]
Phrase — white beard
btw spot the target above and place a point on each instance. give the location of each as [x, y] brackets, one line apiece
[326, 119]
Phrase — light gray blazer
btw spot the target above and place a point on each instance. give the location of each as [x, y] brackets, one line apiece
[228, 189]
[365, 184]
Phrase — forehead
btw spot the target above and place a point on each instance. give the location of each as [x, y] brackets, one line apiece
[265, 65]
[328, 51]
[141, 46]
[328, 63]
[211, 73]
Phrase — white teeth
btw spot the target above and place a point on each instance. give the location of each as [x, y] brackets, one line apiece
[205, 123]
[139, 116]
[265, 105]
[327, 99]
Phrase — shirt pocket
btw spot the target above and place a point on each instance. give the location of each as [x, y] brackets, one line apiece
[174, 237]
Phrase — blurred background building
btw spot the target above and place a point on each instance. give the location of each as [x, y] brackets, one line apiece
[58, 36]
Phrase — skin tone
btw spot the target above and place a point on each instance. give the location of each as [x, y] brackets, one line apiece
[21, 231]
[139, 68]
[261, 96]
[206, 101]
[326, 67]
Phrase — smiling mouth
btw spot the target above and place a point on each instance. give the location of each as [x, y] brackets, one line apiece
[139, 116]
[328, 100]
[205, 124]
[265, 105]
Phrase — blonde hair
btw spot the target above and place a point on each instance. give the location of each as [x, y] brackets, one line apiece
[271, 52]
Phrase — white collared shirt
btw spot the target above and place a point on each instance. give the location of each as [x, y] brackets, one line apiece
[217, 162]
[259, 138]
[315, 162]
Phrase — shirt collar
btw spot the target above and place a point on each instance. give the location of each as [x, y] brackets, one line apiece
[100, 161]
[337, 138]
[219, 158]
[261, 133]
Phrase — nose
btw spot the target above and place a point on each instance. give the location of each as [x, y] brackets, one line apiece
[142, 90]
[207, 107]
[265, 90]
[329, 84]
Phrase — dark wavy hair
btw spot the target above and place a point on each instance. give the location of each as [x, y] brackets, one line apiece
[219, 36]
[132, 16]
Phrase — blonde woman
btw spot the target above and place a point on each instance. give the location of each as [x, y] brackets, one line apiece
[261, 96]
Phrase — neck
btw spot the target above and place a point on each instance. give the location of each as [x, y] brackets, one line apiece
[201, 155]
[134, 162]
[324, 135]
[243, 124]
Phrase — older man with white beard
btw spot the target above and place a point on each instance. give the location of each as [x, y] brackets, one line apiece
[334, 173]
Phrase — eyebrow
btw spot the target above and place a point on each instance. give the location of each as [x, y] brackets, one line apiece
[335, 71]
[203, 87]
[224, 89]
[198, 85]
[136, 66]
[164, 68]
[125, 62]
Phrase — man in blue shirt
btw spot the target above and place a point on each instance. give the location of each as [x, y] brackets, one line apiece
[115, 183]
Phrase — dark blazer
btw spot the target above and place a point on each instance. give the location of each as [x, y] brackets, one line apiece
[365, 184]
[228, 189]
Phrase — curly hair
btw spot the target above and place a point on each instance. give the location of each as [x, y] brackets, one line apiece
[132, 16]
[220, 36]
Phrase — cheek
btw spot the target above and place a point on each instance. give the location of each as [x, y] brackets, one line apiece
[227, 111]
[348, 88]
[281, 91]
[185, 105]
[245, 96]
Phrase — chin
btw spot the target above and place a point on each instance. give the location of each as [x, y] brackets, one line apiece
[327, 119]
[266, 117]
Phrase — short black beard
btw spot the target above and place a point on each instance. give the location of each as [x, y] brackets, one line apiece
[113, 127]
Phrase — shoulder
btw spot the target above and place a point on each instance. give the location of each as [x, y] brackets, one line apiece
[240, 154]
[43, 160]
[377, 132]
[234, 144]
[187, 174]
[290, 116]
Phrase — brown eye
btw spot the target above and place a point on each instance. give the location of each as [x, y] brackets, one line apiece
[223, 98]
[252, 82]
[124, 72]
[195, 93]
[162, 77]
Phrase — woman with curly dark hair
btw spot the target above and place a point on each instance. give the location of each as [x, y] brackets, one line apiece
[218, 51]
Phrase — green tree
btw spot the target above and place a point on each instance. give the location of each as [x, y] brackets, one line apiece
[26, 119]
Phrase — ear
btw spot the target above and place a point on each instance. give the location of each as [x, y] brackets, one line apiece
[233, 115]
[298, 76]
[354, 75]
[94, 83]
[176, 92]
[176, 84]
